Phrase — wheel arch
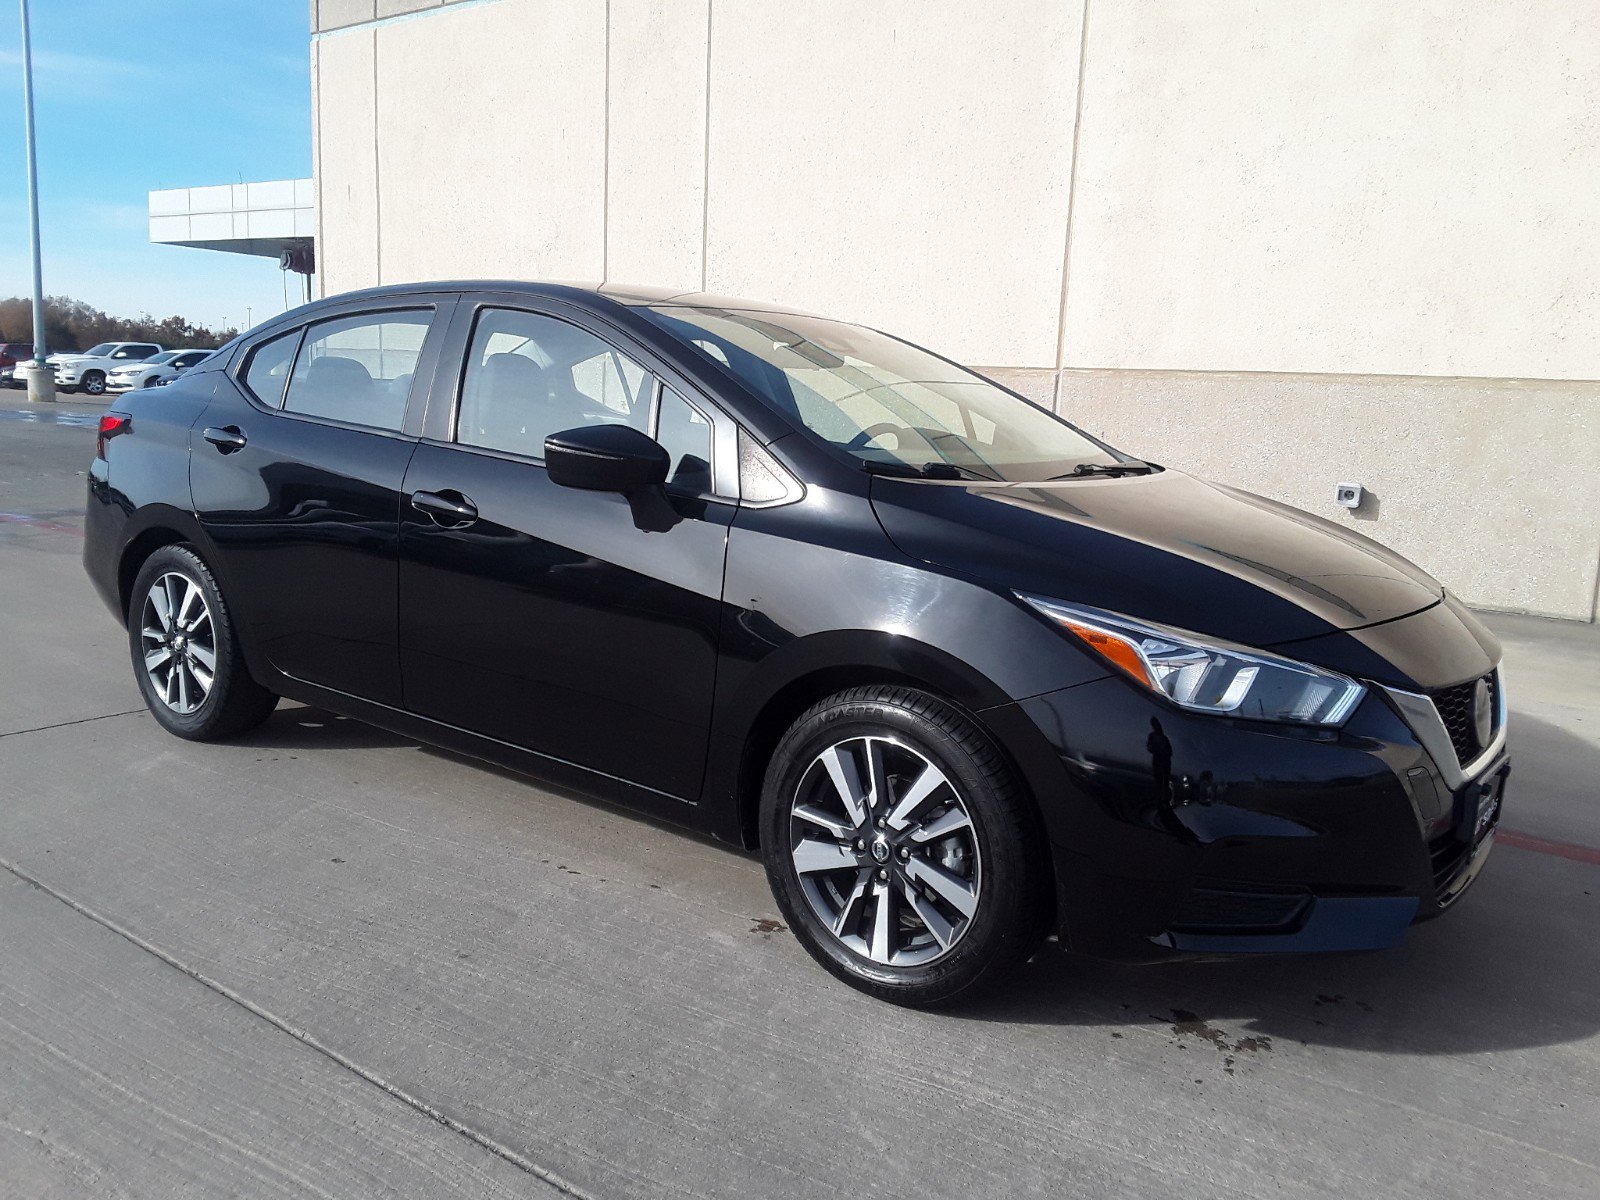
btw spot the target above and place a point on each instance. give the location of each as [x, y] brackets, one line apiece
[160, 525]
[756, 715]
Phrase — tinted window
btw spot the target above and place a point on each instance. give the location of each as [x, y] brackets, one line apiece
[686, 434]
[528, 376]
[359, 369]
[142, 351]
[269, 368]
[191, 359]
[881, 399]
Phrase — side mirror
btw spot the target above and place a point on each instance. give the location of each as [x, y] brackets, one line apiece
[606, 458]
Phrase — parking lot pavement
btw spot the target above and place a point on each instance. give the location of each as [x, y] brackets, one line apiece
[324, 960]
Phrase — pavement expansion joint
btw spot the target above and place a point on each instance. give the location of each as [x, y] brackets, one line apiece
[132, 712]
[555, 1182]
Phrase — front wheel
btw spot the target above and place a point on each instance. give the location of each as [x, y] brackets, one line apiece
[186, 653]
[94, 383]
[899, 847]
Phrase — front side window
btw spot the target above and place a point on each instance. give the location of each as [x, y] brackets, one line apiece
[359, 369]
[686, 434]
[880, 399]
[528, 376]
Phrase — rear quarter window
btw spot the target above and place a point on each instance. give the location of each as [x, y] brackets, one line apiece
[266, 371]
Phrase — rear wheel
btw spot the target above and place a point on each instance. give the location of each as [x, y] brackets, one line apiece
[898, 846]
[186, 653]
[94, 382]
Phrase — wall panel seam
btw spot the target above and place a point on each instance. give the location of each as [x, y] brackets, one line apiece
[377, 168]
[705, 162]
[1072, 193]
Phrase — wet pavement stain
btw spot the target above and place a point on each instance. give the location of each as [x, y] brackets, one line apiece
[1186, 1024]
[766, 926]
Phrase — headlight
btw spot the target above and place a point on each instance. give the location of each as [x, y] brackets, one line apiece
[1209, 676]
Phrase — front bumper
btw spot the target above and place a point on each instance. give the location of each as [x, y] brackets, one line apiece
[1213, 836]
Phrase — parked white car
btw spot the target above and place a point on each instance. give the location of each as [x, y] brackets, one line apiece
[153, 371]
[88, 372]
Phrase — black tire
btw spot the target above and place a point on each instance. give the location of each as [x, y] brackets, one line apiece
[93, 382]
[233, 702]
[1004, 927]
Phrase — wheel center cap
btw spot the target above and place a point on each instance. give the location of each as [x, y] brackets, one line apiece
[880, 849]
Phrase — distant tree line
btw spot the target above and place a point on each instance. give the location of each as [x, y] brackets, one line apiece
[73, 325]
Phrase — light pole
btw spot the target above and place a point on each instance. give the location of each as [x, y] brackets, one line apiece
[41, 381]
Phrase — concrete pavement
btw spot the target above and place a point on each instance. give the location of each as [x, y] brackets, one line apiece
[324, 960]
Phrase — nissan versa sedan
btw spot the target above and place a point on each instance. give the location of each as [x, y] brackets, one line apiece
[967, 676]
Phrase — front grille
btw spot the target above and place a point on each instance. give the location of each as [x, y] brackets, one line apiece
[1455, 705]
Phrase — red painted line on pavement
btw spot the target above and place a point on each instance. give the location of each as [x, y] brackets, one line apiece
[1526, 841]
[39, 523]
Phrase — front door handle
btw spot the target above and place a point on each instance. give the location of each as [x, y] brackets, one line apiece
[450, 509]
[227, 439]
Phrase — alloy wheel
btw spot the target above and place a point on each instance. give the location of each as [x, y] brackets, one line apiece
[179, 642]
[94, 383]
[885, 851]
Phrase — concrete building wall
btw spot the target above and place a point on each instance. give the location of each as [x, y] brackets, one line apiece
[1283, 246]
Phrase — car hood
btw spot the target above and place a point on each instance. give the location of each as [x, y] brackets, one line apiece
[1166, 547]
[63, 359]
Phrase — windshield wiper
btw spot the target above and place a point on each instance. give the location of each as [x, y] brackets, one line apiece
[928, 470]
[1111, 470]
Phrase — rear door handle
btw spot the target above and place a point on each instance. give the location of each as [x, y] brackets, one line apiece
[450, 509]
[227, 439]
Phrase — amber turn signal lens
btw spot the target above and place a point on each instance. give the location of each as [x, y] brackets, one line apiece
[1118, 651]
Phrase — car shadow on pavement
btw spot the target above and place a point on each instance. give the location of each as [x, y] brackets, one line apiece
[305, 727]
[1510, 966]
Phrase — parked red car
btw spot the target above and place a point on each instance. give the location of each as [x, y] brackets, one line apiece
[11, 355]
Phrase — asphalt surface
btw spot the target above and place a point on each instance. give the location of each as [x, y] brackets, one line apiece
[326, 961]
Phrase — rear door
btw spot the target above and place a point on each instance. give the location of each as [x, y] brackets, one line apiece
[566, 622]
[296, 472]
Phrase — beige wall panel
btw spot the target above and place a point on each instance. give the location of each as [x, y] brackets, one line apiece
[1489, 485]
[656, 179]
[492, 141]
[1037, 384]
[1357, 187]
[899, 163]
[347, 199]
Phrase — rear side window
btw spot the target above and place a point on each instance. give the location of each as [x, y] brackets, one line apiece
[359, 369]
[269, 367]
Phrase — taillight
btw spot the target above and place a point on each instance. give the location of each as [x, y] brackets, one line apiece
[111, 425]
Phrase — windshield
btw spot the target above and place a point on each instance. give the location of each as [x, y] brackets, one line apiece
[100, 351]
[165, 356]
[883, 400]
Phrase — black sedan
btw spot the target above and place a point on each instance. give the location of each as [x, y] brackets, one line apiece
[967, 676]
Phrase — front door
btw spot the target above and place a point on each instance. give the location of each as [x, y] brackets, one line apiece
[576, 624]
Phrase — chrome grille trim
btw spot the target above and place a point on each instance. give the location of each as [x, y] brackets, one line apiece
[1420, 713]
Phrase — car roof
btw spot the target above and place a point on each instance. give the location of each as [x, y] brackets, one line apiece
[626, 295]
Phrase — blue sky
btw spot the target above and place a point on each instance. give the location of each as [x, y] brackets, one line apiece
[134, 95]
